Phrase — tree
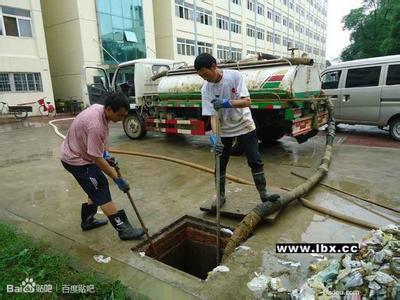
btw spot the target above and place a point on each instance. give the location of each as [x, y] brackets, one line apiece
[374, 28]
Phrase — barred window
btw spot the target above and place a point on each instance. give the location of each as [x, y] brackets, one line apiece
[28, 82]
[5, 84]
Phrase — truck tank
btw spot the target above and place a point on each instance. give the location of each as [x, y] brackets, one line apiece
[280, 80]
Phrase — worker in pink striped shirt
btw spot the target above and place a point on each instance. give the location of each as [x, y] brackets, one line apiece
[84, 154]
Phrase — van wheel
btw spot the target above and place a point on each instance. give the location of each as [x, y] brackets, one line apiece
[134, 126]
[395, 129]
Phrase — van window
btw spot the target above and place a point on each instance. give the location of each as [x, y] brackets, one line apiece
[393, 76]
[159, 68]
[363, 77]
[330, 80]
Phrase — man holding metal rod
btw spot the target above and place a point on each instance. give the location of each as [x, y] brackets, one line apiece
[226, 91]
[84, 154]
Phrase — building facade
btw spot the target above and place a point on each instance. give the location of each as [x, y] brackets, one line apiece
[233, 29]
[94, 33]
[24, 66]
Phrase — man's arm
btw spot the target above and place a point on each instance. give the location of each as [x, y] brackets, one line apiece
[105, 167]
[241, 103]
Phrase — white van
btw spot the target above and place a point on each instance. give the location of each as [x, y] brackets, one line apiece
[366, 91]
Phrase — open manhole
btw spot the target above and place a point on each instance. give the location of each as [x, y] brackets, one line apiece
[188, 244]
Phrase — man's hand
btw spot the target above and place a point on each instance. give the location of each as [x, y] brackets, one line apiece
[218, 147]
[221, 103]
[123, 185]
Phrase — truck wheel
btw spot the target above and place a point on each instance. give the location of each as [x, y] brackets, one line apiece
[271, 134]
[134, 126]
[395, 129]
[237, 148]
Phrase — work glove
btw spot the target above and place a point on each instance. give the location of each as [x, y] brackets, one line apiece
[123, 185]
[112, 161]
[217, 147]
[221, 103]
[106, 155]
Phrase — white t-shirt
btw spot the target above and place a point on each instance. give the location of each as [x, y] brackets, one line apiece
[235, 121]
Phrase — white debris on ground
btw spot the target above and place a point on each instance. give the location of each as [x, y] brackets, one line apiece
[102, 259]
[222, 269]
[290, 264]
[373, 272]
[227, 231]
[244, 248]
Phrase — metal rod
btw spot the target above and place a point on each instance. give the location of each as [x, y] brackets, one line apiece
[139, 218]
[218, 181]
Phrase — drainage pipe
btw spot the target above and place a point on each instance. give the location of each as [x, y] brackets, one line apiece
[248, 224]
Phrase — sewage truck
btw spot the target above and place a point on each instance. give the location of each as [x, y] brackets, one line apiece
[165, 96]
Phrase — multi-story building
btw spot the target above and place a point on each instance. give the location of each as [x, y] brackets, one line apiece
[232, 29]
[94, 32]
[24, 67]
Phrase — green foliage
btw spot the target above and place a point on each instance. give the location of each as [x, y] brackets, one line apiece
[375, 29]
[21, 258]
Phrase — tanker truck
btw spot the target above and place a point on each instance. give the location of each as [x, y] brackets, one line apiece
[165, 96]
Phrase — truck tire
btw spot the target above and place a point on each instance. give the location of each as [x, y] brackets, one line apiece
[134, 126]
[270, 135]
[237, 148]
[394, 129]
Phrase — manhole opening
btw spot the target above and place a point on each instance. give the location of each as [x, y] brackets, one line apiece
[189, 245]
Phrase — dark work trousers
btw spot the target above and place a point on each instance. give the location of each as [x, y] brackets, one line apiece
[250, 145]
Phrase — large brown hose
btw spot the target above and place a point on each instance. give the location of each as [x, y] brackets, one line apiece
[248, 224]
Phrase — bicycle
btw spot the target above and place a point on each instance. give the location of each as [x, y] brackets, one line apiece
[20, 111]
[46, 110]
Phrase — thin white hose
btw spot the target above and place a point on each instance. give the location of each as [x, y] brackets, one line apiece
[56, 128]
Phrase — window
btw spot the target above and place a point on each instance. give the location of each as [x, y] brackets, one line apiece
[290, 24]
[260, 34]
[17, 22]
[223, 53]
[277, 17]
[284, 21]
[362, 77]
[222, 22]
[21, 82]
[284, 41]
[204, 47]
[185, 47]
[204, 16]
[155, 69]
[393, 76]
[291, 4]
[5, 84]
[277, 39]
[330, 80]
[270, 36]
[183, 10]
[236, 26]
[251, 30]
[260, 9]
[251, 5]
[236, 2]
[269, 14]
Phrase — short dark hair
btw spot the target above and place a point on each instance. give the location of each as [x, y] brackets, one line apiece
[116, 101]
[204, 60]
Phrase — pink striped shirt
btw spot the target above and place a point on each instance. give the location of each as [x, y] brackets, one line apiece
[87, 136]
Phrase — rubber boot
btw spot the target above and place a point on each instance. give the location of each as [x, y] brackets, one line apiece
[125, 230]
[261, 185]
[89, 222]
[223, 198]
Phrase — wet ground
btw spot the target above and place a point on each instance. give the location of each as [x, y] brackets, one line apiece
[44, 200]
